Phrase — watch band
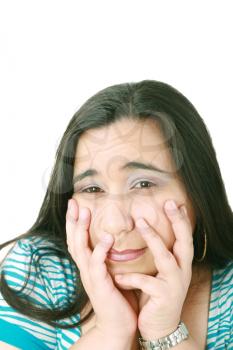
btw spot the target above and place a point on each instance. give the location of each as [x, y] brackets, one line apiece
[171, 340]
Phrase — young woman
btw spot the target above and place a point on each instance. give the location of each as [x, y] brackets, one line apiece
[135, 191]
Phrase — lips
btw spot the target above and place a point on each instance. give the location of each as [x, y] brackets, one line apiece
[122, 252]
[125, 255]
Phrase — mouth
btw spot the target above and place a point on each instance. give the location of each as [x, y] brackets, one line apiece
[125, 255]
[114, 251]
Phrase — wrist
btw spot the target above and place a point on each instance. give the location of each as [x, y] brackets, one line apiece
[123, 339]
[169, 340]
[152, 334]
[115, 332]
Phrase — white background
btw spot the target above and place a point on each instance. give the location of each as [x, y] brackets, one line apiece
[54, 55]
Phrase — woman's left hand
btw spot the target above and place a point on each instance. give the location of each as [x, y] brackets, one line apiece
[162, 297]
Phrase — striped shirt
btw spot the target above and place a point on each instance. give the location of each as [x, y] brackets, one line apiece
[54, 287]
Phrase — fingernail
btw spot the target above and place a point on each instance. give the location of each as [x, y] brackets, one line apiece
[141, 223]
[107, 238]
[184, 210]
[170, 205]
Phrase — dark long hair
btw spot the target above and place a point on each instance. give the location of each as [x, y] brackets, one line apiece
[195, 158]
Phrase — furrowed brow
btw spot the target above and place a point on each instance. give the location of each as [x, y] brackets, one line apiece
[127, 166]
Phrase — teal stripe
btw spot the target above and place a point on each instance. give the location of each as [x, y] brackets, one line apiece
[46, 300]
[42, 266]
[15, 336]
[41, 286]
[58, 263]
[34, 274]
[21, 318]
[67, 339]
[220, 318]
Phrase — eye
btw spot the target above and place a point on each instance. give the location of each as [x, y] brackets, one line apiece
[96, 189]
[86, 190]
[151, 184]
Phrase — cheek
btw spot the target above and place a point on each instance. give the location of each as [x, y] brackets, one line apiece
[148, 207]
[154, 214]
[151, 210]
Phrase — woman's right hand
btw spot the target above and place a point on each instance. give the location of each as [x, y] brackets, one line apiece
[116, 312]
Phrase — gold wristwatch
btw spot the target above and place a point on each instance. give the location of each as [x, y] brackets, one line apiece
[171, 340]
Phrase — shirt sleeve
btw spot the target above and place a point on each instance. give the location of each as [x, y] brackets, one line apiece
[51, 285]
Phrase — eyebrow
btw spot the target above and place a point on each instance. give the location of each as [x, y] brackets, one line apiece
[127, 166]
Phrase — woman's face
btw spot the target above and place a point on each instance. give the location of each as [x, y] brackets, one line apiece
[117, 194]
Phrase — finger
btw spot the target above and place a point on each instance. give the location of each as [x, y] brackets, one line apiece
[72, 212]
[77, 232]
[148, 284]
[183, 248]
[99, 254]
[71, 222]
[163, 258]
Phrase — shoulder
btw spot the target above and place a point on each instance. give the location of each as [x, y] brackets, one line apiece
[223, 277]
[37, 272]
[51, 277]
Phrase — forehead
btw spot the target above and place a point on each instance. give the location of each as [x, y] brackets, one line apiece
[142, 135]
[121, 141]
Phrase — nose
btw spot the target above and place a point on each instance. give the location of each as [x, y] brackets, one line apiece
[116, 219]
